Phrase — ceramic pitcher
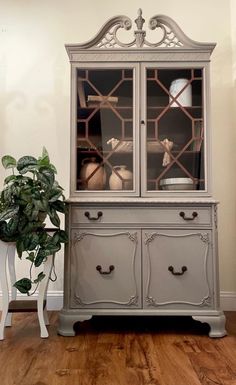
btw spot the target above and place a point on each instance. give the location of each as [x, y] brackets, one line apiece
[97, 180]
[121, 178]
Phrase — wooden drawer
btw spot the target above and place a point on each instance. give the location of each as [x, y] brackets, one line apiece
[186, 216]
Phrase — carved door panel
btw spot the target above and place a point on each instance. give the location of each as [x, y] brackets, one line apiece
[106, 269]
[177, 269]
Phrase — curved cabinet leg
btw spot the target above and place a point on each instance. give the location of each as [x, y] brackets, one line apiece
[67, 321]
[216, 323]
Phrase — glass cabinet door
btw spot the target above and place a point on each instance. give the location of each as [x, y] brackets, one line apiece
[174, 129]
[105, 156]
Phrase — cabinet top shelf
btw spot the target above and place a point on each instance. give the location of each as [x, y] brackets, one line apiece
[122, 153]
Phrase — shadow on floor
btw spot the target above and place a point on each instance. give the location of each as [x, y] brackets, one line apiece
[142, 324]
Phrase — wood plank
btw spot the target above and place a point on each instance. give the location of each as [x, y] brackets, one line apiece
[118, 351]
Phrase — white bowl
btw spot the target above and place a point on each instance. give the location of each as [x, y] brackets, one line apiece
[177, 184]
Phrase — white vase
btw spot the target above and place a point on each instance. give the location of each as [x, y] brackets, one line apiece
[185, 98]
[97, 180]
[121, 178]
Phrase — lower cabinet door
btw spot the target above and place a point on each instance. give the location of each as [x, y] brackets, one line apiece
[177, 269]
[106, 268]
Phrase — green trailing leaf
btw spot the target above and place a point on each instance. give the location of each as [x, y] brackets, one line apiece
[28, 211]
[12, 226]
[40, 277]
[52, 248]
[45, 153]
[40, 257]
[32, 227]
[43, 204]
[26, 163]
[8, 162]
[54, 218]
[59, 206]
[44, 159]
[4, 232]
[55, 194]
[42, 215]
[42, 237]
[23, 222]
[32, 241]
[23, 285]
[61, 236]
[55, 237]
[9, 213]
[46, 176]
[53, 168]
[10, 178]
[31, 257]
[20, 247]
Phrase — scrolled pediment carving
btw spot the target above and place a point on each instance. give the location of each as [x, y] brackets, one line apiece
[169, 35]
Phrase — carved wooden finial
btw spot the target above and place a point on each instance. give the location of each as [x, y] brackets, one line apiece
[139, 34]
[140, 20]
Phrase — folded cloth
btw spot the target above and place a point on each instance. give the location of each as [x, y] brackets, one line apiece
[167, 158]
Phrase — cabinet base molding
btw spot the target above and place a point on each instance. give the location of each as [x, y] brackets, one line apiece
[68, 318]
[216, 323]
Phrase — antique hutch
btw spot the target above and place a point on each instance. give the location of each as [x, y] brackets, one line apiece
[141, 220]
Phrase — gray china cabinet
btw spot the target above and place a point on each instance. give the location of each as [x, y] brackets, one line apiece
[141, 220]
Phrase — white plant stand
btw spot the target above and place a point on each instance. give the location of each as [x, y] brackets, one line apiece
[7, 254]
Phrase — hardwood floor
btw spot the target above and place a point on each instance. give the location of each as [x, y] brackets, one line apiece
[118, 351]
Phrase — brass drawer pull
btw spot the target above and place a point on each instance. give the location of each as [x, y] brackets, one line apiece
[99, 268]
[172, 270]
[194, 215]
[99, 215]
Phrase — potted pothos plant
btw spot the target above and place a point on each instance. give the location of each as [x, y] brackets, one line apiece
[30, 195]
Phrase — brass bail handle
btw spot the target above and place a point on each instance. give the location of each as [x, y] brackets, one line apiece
[194, 215]
[172, 270]
[99, 269]
[99, 215]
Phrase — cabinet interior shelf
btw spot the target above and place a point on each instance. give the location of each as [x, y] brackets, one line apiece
[106, 107]
[130, 107]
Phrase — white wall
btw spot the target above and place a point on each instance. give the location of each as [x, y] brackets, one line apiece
[35, 87]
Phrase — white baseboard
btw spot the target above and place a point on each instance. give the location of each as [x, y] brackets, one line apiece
[228, 300]
[55, 300]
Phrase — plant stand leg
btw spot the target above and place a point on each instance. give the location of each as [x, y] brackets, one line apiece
[45, 316]
[4, 285]
[12, 273]
[42, 294]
